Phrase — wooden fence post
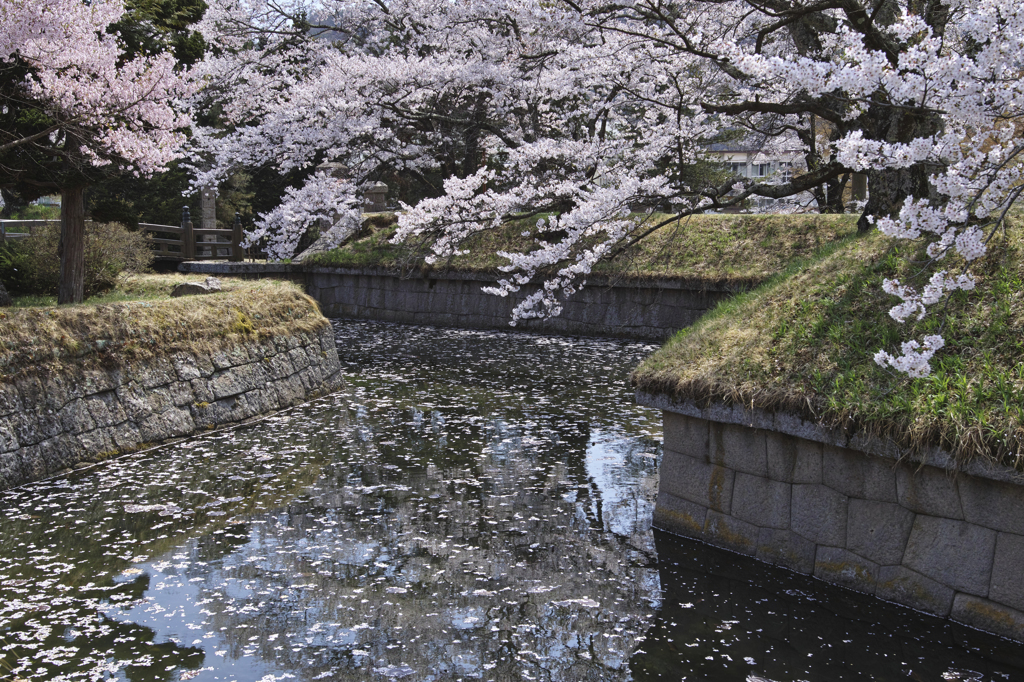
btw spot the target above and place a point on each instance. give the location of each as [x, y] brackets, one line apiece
[237, 253]
[859, 187]
[188, 239]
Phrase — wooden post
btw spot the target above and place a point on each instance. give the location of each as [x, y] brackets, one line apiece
[71, 248]
[188, 239]
[237, 253]
[859, 187]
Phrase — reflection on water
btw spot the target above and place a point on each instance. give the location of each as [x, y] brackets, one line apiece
[475, 505]
[730, 618]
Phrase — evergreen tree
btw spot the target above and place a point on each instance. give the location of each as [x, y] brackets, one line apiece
[80, 104]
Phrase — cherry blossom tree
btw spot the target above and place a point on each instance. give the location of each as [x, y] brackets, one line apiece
[408, 88]
[74, 105]
[580, 110]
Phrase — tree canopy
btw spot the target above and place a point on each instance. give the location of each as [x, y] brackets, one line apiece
[573, 112]
[78, 104]
[564, 115]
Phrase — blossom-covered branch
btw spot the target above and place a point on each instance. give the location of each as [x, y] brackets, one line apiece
[75, 106]
[575, 112]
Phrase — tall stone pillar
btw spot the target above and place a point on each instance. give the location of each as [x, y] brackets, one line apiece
[859, 187]
[339, 172]
[207, 218]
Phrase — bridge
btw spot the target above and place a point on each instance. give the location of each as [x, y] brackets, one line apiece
[169, 242]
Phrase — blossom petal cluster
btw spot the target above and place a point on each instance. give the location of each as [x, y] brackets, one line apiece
[937, 287]
[123, 110]
[914, 360]
[570, 117]
[326, 202]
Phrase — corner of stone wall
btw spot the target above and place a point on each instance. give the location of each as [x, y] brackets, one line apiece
[909, 533]
[49, 423]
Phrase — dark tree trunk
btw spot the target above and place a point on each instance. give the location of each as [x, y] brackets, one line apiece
[71, 250]
[832, 200]
[887, 190]
[5, 298]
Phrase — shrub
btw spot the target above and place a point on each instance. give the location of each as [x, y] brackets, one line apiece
[36, 212]
[31, 266]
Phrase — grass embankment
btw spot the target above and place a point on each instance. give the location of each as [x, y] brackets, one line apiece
[804, 343]
[739, 249]
[135, 287]
[139, 320]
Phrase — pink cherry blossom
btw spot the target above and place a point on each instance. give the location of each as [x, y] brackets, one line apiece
[126, 111]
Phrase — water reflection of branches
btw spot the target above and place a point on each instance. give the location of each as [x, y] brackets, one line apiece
[428, 562]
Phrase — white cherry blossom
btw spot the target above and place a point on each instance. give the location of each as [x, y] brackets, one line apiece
[77, 77]
[577, 112]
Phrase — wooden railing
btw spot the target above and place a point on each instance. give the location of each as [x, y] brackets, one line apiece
[189, 243]
[169, 242]
[21, 228]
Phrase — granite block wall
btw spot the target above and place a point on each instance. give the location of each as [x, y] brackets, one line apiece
[946, 542]
[649, 311]
[49, 423]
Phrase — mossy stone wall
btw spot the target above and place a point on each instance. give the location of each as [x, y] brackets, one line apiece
[50, 422]
[920, 533]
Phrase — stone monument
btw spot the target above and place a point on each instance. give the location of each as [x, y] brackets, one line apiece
[374, 198]
[207, 219]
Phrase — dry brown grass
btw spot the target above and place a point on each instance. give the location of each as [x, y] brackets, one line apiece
[47, 338]
[729, 248]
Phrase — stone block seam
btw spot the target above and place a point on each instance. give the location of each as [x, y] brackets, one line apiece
[917, 536]
[641, 311]
[51, 423]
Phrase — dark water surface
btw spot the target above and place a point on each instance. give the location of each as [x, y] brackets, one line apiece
[475, 505]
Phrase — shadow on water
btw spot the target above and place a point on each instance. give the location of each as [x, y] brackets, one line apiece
[474, 505]
[729, 617]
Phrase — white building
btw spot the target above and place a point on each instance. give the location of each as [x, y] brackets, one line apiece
[765, 159]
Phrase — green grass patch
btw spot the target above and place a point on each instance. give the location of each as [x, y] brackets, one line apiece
[141, 320]
[371, 249]
[729, 248]
[141, 287]
[804, 343]
[712, 248]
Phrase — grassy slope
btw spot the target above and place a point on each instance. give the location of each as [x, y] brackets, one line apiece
[43, 338]
[136, 287]
[805, 341]
[713, 248]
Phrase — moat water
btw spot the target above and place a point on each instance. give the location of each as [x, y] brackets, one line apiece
[474, 506]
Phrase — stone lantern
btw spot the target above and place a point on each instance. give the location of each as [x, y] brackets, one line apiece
[374, 198]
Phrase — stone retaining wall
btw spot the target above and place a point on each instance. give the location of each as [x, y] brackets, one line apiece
[942, 541]
[49, 423]
[653, 310]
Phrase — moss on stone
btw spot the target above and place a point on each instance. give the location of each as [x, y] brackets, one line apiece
[804, 342]
[75, 338]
